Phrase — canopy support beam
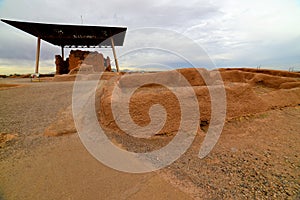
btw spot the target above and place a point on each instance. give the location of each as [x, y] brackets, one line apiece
[37, 57]
[114, 52]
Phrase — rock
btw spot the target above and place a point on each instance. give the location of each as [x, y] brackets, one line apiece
[6, 137]
[64, 124]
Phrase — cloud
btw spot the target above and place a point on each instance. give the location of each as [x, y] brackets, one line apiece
[251, 32]
[233, 33]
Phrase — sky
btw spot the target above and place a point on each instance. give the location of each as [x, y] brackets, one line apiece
[231, 33]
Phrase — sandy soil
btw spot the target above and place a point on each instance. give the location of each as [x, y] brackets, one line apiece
[256, 157]
[61, 168]
[33, 166]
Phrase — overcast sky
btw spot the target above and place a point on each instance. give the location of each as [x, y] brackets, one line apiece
[232, 33]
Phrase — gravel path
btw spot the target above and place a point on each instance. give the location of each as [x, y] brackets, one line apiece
[31, 114]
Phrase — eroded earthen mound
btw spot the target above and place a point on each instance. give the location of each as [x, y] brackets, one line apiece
[248, 91]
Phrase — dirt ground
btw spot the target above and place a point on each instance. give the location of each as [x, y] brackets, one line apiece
[256, 157]
[33, 166]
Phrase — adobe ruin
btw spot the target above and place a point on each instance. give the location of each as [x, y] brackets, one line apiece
[95, 61]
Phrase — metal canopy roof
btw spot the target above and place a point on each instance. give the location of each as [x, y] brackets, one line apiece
[71, 36]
